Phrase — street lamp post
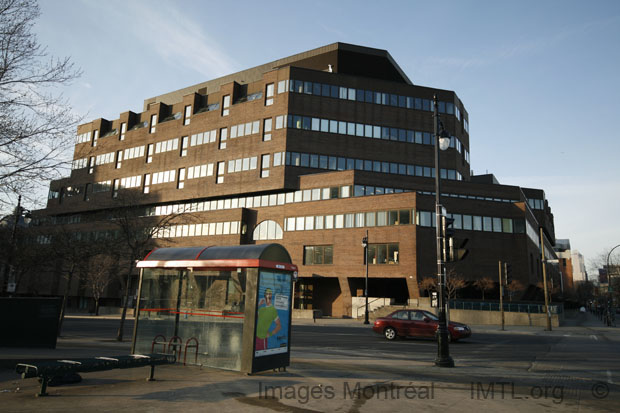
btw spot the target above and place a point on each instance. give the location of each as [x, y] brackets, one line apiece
[544, 271]
[365, 245]
[442, 141]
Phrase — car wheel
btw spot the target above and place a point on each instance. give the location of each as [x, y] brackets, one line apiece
[390, 333]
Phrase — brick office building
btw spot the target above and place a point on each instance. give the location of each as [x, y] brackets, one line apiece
[310, 151]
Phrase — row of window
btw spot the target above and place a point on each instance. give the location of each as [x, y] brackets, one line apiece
[135, 152]
[253, 201]
[403, 217]
[83, 137]
[244, 129]
[369, 131]
[369, 96]
[203, 137]
[335, 163]
[352, 220]
[193, 172]
[104, 158]
[295, 86]
[167, 146]
[199, 230]
[305, 195]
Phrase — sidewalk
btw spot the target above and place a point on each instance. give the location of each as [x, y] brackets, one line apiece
[315, 382]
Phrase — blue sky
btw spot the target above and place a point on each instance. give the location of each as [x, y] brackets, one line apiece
[540, 79]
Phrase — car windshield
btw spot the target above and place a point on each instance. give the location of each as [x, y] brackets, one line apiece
[430, 315]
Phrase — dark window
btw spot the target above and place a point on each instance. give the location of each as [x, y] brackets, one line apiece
[316, 89]
[383, 254]
[318, 254]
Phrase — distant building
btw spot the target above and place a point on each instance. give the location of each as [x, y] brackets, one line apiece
[563, 251]
[311, 151]
[579, 267]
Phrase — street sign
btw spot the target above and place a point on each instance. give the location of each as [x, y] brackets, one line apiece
[434, 299]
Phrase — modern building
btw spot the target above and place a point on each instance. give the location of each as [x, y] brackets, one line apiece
[311, 151]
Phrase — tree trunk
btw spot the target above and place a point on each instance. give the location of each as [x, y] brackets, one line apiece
[97, 306]
[64, 301]
[119, 336]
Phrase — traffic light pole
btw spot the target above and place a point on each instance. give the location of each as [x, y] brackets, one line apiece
[544, 271]
[501, 294]
[365, 245]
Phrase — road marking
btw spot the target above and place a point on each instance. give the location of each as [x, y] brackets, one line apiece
[594, 337]
[609, 380]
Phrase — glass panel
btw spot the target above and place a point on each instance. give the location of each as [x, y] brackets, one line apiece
[381, 218]
[467, 222]
[477, 223]
[217, 303]
[405, 217]
[370, 219]
[393, 218]
[381, 254]
[328, 254]
[487, 224]
[497, 225]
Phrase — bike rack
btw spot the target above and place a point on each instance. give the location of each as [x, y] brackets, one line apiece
[187, 345]
[177, 346]
[155, 342]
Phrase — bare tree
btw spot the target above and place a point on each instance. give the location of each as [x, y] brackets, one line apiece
[484, 284]
[136, 235]
[514, 286]
[36, 126]
[428, 284]
[454, 282]
[73, 252]
[98, 276]
[611, 273]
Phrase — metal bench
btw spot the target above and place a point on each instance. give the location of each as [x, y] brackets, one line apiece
[47, 370]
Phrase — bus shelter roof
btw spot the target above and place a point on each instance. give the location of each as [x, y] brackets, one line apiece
[221, 257]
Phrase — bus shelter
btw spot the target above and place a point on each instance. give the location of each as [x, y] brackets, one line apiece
[222, 307]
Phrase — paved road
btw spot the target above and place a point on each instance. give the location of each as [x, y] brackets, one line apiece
[340, 365]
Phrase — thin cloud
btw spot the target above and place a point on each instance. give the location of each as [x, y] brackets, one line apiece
[180, 40]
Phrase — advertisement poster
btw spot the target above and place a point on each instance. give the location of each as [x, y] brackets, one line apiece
[273, 313]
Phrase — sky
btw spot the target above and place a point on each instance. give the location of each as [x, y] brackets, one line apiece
[540, 79]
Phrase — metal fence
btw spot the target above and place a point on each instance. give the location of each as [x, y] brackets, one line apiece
[509, 307]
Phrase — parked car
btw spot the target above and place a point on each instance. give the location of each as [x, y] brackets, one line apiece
[416, 323]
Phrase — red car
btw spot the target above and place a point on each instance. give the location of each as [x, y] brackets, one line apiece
[416, 323]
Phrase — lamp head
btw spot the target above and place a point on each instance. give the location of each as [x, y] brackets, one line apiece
[444, 140]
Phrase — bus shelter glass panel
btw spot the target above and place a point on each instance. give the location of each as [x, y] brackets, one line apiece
[205, 321]
[157, 316]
